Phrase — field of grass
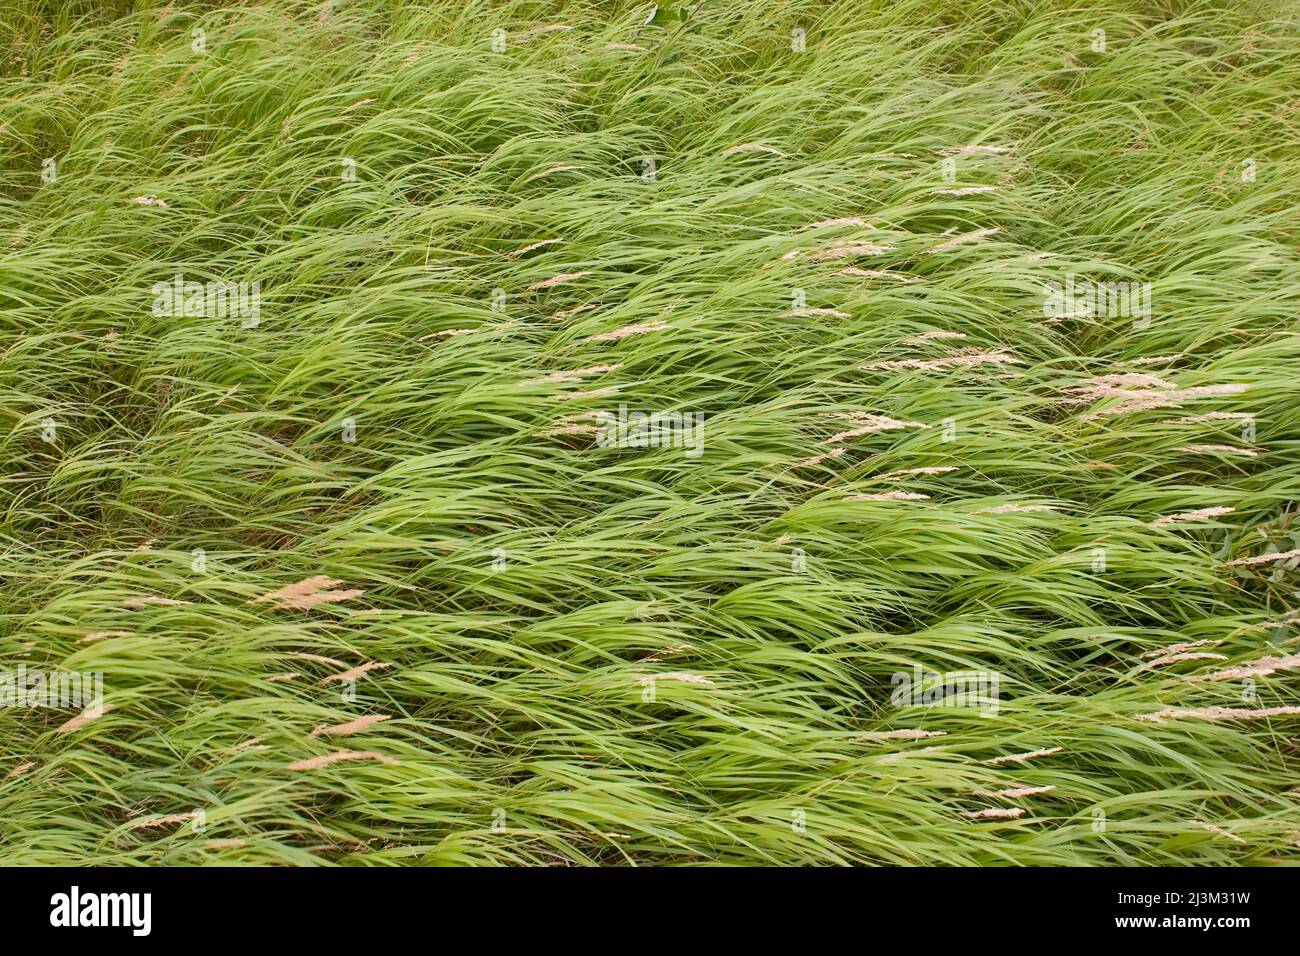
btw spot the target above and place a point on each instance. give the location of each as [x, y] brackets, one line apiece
[848, 248]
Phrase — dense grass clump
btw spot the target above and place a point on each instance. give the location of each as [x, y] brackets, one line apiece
[977, 326]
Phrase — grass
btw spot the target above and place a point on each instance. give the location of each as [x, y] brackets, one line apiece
[397, 422]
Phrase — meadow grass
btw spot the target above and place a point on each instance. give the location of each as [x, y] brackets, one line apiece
[826, 227]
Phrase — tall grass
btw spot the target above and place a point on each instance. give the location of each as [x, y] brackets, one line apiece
[397, 422]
